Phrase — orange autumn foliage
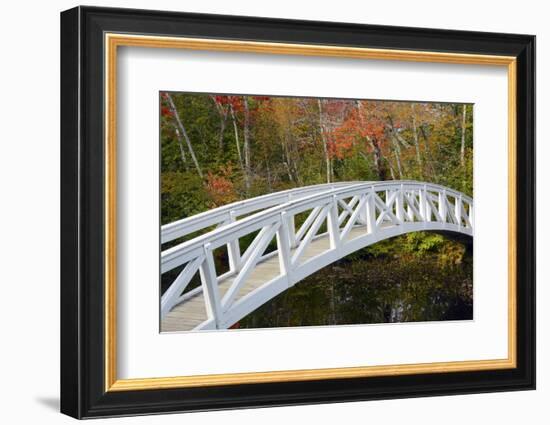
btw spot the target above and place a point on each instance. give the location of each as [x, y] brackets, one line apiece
[220, 188]
[356, 129]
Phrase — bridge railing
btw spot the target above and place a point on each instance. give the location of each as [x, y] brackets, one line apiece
[381, 209]
[231, 212]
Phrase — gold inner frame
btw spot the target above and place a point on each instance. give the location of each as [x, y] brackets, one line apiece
[113, 41]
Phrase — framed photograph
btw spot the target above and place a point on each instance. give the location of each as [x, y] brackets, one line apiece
[261, 212]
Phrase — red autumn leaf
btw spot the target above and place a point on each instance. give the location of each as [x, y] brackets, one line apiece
[261, 98]
[220, 187]
[165, 111]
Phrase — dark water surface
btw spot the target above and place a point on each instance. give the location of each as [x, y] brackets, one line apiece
[363, 288]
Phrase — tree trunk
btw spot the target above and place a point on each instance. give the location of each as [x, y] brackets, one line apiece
[377, 153]
[180, 144]
[236, 130]
[397, 154]
[268, 174]
[463, 136]
[186, 137]
[324, 139]
[246, 142]
[291, 156]
[223, 120]
[415, 135]
[429, 159]
[392, 172]
[286, 158]
[222, 111]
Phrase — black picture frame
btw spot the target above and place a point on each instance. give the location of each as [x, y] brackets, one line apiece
[83, 393]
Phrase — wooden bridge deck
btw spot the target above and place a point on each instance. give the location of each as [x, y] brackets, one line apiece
[191, 313]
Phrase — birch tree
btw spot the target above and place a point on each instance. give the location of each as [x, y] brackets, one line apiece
[415, 134]
[246, 146]
[463, 135]
[223, 111]
[322, 130]
[237, 142]
[176, 116]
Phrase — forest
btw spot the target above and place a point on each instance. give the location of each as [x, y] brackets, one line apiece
[217, 149]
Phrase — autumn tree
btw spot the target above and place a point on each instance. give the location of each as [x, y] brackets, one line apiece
[230, 147]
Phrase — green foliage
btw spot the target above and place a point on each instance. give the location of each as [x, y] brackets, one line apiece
[418, 245]
[421, 243]
[182, 195]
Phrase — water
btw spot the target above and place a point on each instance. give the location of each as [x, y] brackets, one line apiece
[364, 288]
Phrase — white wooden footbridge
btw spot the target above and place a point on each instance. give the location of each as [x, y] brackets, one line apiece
[336, 220]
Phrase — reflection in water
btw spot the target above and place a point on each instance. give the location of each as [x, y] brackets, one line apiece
[380, 284]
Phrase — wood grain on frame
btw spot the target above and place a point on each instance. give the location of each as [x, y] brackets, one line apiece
[113, 41]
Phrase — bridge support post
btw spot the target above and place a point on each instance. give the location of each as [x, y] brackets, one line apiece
[442, 201]
[211, 291]
[371, 212]
[423, 203]
[333, 226]
[234, 250]
[283, 245]
[291, 231]
[363, 211]
[458, 210]
[399, 210]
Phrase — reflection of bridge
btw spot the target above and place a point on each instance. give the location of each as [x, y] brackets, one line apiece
[335, 220]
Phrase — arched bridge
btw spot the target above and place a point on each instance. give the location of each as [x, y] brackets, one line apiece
[334, 221]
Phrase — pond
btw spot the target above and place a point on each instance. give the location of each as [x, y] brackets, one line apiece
[398, 285]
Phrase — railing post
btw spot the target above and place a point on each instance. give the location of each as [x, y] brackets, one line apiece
[471, 215]
[400, 213]
[333, 227]
[370, 212]
[458, 210]
[424, 207]
[291, 230]
[442, 201]
[410, 213]
[283, 245]
[233, 249]
[363, 211]
[211, 290]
